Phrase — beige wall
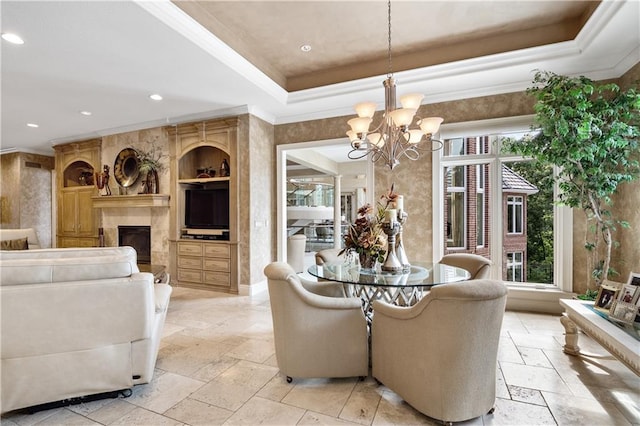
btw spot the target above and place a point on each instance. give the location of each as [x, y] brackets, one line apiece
[25, 193]
[414, 179]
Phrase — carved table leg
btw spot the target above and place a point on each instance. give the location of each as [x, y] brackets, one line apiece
[570, 336]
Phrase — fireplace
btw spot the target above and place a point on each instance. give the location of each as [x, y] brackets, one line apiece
[138, 237]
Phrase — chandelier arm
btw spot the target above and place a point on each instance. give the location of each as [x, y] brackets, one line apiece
[356, 154]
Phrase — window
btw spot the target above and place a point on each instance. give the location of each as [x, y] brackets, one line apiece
[514, 214]
[487, 188]
[456, 207]
[514, 267]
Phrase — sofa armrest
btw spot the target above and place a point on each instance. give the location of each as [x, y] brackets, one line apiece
[162, 295]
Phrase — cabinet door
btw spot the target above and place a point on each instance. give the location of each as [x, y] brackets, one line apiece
[67, 213]
[86, 212]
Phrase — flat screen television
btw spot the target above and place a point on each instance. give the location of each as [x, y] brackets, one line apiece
[207, 208]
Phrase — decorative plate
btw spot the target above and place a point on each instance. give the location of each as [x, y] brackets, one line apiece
[126, 169]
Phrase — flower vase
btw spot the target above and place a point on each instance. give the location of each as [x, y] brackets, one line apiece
[151, 183]
[367, 261]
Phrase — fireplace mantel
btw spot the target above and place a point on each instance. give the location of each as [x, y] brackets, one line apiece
[128, 201]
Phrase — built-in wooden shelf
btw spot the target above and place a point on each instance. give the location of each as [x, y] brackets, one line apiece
[203, 180]
[127, 201]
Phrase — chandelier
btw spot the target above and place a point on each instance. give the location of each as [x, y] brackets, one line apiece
[393, 137]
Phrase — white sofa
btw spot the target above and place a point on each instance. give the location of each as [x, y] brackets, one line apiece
[76, 322]
[14, 234]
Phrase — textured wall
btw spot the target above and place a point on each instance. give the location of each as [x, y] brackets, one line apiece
[156, 217]
[25, 194]
[262, 197]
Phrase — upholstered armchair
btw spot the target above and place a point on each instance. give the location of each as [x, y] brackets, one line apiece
[318, 332]
[295, 251]
[329, 256]
[479, 267]
[440, 354]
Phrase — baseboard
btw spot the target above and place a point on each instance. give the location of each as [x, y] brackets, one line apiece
[536, 300]
[252, 289]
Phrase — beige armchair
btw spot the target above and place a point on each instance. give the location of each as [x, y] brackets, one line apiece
[295, 251]
[479, 267]
[440, 355]
[318, 332]
[329, 256]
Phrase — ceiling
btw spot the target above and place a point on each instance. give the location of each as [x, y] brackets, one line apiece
[107, 57]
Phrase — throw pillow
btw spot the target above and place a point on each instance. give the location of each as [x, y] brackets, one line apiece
[19, 244]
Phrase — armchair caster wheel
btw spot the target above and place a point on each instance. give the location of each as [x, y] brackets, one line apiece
[447, 423]
[289, 379]
[492, 410]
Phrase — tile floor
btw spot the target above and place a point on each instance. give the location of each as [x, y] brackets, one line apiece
[217, 366]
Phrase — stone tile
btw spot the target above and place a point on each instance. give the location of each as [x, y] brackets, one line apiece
[140, 416]
[163, 392]
[186, 360]
[214, 369]
[518, 413]
[362, 404]
[264, 411]
[255, 350]
[501, 386]
[393, 410]
[527, 376]
[236, 385]
[324, 396]
[529, 396]
[508, 352]
[197, 413]
[539, 341]
[310, 418]
[582, 411]
[535, 357]
[67, 418]
[276, 389]
[109, 413]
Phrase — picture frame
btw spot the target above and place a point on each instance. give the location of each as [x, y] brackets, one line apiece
[634, 280]
[606, 296]
[623, 312]
[628, 293]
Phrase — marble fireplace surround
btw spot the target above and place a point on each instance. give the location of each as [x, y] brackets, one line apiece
[157, 218]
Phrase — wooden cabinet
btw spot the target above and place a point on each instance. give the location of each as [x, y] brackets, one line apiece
[206, 264]
[77, 224]
[197, 152]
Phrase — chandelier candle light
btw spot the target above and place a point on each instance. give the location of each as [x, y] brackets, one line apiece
[393, 137]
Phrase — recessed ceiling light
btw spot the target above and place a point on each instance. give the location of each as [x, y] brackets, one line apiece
[34, 125]
[305, 48]
[156, 97]
[85, 112]
[12, 38]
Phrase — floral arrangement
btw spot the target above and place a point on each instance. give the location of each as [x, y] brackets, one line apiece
[151, 160]
[366, 236]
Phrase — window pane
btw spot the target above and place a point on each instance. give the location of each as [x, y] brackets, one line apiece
[480, 219]
[454, 147]
[455, 219]
[529, 234]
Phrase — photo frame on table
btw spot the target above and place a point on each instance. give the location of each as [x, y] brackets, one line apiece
[623, 312]
[634, 280]
[606, 296]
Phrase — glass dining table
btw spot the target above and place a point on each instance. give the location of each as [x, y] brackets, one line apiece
[402, 289]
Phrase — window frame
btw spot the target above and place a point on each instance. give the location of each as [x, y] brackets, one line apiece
[563, 216]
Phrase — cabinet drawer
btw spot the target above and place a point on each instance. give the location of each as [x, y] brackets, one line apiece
[216, 250]
[216, 278]
[216, 264]
[190, 262]
[189, 275]
[190, 249]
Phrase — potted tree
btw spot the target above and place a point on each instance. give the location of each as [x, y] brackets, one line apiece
[590, 131]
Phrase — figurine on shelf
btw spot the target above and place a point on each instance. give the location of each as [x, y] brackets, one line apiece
[102, 180]
[225, 170]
